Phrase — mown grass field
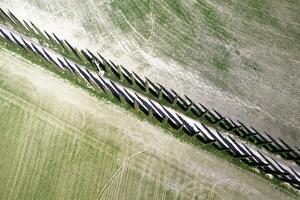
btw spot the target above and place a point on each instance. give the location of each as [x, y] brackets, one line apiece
[57, 142]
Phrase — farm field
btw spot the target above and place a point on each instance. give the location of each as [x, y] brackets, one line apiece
[240, 57]
[58, 142]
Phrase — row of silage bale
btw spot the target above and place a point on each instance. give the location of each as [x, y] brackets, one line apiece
[177, 121]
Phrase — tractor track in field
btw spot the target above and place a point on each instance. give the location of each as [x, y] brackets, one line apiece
[178, 165]
[115, 87]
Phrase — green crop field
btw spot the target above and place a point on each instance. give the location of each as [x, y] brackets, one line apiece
[57, 142]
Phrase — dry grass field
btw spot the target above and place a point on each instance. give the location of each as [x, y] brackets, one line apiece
[58, 142]
[241, 57]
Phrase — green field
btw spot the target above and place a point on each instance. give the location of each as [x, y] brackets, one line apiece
[60, 143]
